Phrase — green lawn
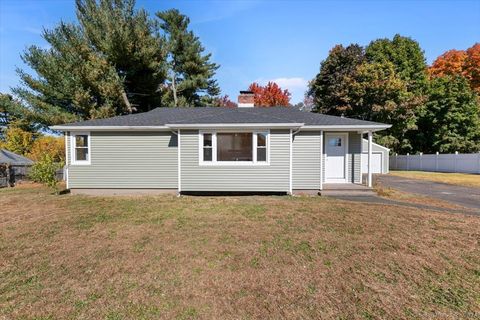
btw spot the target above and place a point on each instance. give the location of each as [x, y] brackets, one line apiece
[461, 179]
[79, 257]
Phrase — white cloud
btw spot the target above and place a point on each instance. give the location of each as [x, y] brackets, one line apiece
[291, 83]
[295, 85]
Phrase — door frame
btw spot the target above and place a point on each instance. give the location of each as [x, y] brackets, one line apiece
[345, 136]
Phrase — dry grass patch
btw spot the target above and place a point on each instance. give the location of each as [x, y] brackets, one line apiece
[460, 179]
[414, 198]
[72, 257]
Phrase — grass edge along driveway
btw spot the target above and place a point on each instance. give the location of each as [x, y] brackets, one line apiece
[459, 179]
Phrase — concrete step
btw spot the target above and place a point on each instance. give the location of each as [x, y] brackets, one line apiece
[348, 193]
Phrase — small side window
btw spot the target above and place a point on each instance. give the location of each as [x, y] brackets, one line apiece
[261, 147]
[207, 147]
[80, 149]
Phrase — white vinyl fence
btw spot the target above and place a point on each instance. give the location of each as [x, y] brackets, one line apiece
[452, 162]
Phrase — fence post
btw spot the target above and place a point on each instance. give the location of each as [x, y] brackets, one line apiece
[455, 161]
[8, 174]
[436, 161]
[408, 160]
[421, 161]
[478, 161]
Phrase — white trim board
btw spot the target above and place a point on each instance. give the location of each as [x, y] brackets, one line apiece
[179, 164]
[290, 182]
[65, 171]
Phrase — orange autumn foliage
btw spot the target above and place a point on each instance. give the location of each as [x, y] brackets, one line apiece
[459, 62]
[53, 146]
[449, 63]
[472, 67]
[270, 95]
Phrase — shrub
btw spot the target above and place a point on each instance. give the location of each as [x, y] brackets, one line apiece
[44, 171]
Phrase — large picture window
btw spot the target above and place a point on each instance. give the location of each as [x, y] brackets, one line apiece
[234, 147]
[80, 148]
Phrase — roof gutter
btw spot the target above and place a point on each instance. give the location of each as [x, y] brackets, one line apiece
[360, 128]
[109, 128]
[173, 126]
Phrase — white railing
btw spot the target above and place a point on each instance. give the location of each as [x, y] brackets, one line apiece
[451, 162]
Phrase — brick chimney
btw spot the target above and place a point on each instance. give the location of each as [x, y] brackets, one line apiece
[246, 99]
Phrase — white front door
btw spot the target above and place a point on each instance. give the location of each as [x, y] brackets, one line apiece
[335, 157]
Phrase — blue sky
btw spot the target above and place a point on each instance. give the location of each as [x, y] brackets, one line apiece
[266, 40]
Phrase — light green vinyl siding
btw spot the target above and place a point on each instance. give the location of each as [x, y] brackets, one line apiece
[354, 156]
[274, 177]
[128, 160]
[306, 160]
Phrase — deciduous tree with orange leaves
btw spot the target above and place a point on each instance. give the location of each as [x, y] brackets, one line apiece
[270, 95]
[459, 62]
[224, 101]
[472, 67]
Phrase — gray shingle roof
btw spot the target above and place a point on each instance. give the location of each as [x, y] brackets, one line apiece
[13, 158]
[216, 115]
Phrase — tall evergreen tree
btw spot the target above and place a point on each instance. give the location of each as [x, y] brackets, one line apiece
[111, 63]
[129, 41]
[190, 72]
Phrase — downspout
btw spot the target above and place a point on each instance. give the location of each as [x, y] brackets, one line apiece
[65, 169]
[292, 134]
[290, 187]
[179, 178]
[321, 159]
[296, 131]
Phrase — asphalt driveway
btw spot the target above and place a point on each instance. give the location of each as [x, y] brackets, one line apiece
[465, 196]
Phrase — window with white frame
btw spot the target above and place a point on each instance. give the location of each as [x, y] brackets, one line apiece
[207, 147]
[234, 147]
[80, 148]
[261, 147]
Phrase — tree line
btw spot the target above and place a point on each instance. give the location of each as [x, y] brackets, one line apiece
[430, 109]
[117, 60]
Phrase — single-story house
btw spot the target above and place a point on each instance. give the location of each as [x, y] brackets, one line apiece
[214, 149]
[380, 158]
